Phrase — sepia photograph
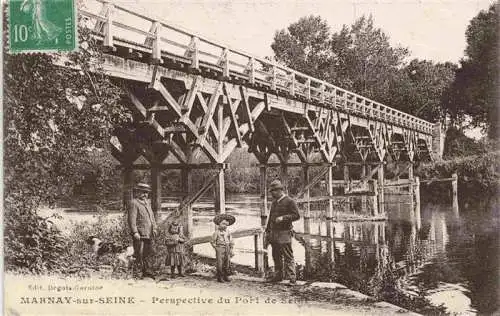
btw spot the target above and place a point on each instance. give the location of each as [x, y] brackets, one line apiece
[250, 157]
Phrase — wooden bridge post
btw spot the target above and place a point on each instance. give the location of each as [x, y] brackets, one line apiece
[381, 183]
[307, 196]
[396, 171]
[410, 172]
[307, 216]
[454, 192]
[284, 176]
[329, 180]
[263, 195]
[128, 177]
[417, 203]
[264, 210]
[258, 252]
[411, 191]
[329, 227]
[376, 241]
[108, 26]
[155, 189]
[347, 185]
[219, 190]
[364, 196]
[187, 188]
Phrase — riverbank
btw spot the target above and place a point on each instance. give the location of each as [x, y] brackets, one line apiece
[196, 294]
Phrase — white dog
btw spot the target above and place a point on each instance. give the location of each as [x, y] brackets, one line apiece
[124, 254]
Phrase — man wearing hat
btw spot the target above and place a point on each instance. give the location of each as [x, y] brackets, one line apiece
[279, 230]
[142, 225]
[223, 245]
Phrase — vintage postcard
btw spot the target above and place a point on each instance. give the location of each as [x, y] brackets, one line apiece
[206, 157]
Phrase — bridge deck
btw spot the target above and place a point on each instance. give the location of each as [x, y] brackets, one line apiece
[161, 42]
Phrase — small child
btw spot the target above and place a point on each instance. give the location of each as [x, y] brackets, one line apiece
[175, 248]
[223, 245]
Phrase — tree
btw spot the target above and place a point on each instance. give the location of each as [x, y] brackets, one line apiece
[366, 60]
[53, 116]
[474, 92]
[457, 144]
[357, 58]
[418, 88]
[360, 58]
[305, 46]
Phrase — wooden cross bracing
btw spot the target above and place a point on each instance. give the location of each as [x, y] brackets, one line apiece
[193, 120]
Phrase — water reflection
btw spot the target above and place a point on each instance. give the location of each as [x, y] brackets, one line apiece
[452, 261]
[447, 258]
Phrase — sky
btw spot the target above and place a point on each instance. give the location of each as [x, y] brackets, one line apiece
[431, 29]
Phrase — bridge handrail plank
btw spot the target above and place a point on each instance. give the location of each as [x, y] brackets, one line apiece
[240, 233]
[291, 80]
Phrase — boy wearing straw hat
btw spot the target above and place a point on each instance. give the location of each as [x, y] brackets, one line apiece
[142, 225]
[223, 245]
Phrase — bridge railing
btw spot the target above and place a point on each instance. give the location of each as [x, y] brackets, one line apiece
[118, 25]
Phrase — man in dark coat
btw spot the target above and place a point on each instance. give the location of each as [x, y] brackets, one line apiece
[279, 231]
[142, 225]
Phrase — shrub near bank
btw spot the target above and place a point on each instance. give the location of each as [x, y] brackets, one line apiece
[478, 177]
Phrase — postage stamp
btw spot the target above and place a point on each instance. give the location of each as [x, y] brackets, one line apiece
[42, 26]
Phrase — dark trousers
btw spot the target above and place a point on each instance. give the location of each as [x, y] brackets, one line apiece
[284, 263]
[222, 258]
[142, 251]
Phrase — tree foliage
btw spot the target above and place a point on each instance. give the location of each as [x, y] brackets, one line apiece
[360, 58]
[419, 87]
[366, 60]
[305, 46]
[475, 90]
[53, 117]
[457, 144]
[478, 177]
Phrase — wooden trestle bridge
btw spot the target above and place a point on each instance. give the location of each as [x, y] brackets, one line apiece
[195, 100]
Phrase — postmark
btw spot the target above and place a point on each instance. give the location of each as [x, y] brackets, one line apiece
[42, 26]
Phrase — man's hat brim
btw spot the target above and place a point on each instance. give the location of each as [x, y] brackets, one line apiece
[142, 187]
[275, 187]
[229, 218]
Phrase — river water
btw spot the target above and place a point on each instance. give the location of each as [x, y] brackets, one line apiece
[452, 259]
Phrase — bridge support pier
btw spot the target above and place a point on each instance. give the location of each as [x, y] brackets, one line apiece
[307, 216]
[329, 181]
[128, 176]
[284, 176]
[417, 203]
[330, 244]
[380, 192]
[155, 189]
[220, 194]
[264, 210]
[411, 193]
[347, 207]
[364, 168]
[187, 188]
[454, 192]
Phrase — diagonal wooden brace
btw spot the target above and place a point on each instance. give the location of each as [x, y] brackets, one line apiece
[211, 121]
[246, 107]
[212, 104]
[313, 181]
[232, 109]
[187, 105]
[195, 196]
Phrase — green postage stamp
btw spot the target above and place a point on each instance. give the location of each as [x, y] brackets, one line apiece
[42, 26]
